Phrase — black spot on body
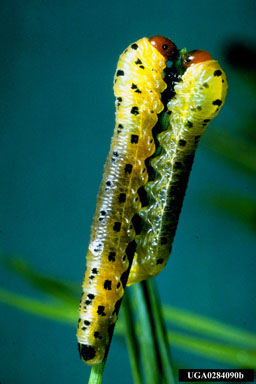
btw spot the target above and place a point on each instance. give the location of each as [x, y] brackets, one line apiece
[100, 310]
[159, 261]
[97, 335]
[119, 99]
[199, 108]
[124, 258]
[95, 271]
[163, 240]
[177, 165]
[218, 72]
[107, 285]
[134, 139]
[142, 67]
[189, 124]
[207, 120]
[134, 46]
[182, 143]
[135, 111]
[88, 302]
[120, 73]
[112, 256]
[217, 102]
[111, 330]
[118, 284]
[206, 85]
[117, 226]
[87, 352]
[122, 197]
[117, 306]
[108, 183]
[197, 138]
[128, 168]
[138, 61]
[134, 86]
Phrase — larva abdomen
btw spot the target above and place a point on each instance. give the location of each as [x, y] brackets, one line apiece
[198, 99]
[112, 245]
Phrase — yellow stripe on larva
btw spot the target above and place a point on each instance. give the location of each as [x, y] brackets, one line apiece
[137, 87]
[198, 99]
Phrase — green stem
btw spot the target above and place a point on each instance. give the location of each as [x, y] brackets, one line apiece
[161, 333]
[97, 373]
[131, 338]
[146, 337]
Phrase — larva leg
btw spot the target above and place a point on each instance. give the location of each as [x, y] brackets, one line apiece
[199, 97]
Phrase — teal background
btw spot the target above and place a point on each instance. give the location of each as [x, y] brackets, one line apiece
[58, 59]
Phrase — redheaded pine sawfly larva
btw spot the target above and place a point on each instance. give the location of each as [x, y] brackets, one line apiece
[198, 98]
[138, 85]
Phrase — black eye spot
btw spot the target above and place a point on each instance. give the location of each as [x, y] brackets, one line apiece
[165, 47]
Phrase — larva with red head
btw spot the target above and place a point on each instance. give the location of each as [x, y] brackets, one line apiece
[138, 85]
[198, 98]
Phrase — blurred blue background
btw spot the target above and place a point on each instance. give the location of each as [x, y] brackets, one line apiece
[58, 59]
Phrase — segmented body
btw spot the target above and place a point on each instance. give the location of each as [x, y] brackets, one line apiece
[199, 97]
[137, 86]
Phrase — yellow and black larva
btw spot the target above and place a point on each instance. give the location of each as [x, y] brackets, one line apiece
[198, 98]
[138, 85]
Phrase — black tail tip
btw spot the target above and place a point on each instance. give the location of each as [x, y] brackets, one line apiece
[87, 352]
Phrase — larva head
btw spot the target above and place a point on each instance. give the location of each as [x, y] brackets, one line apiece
[165, 46]
[195, 57]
